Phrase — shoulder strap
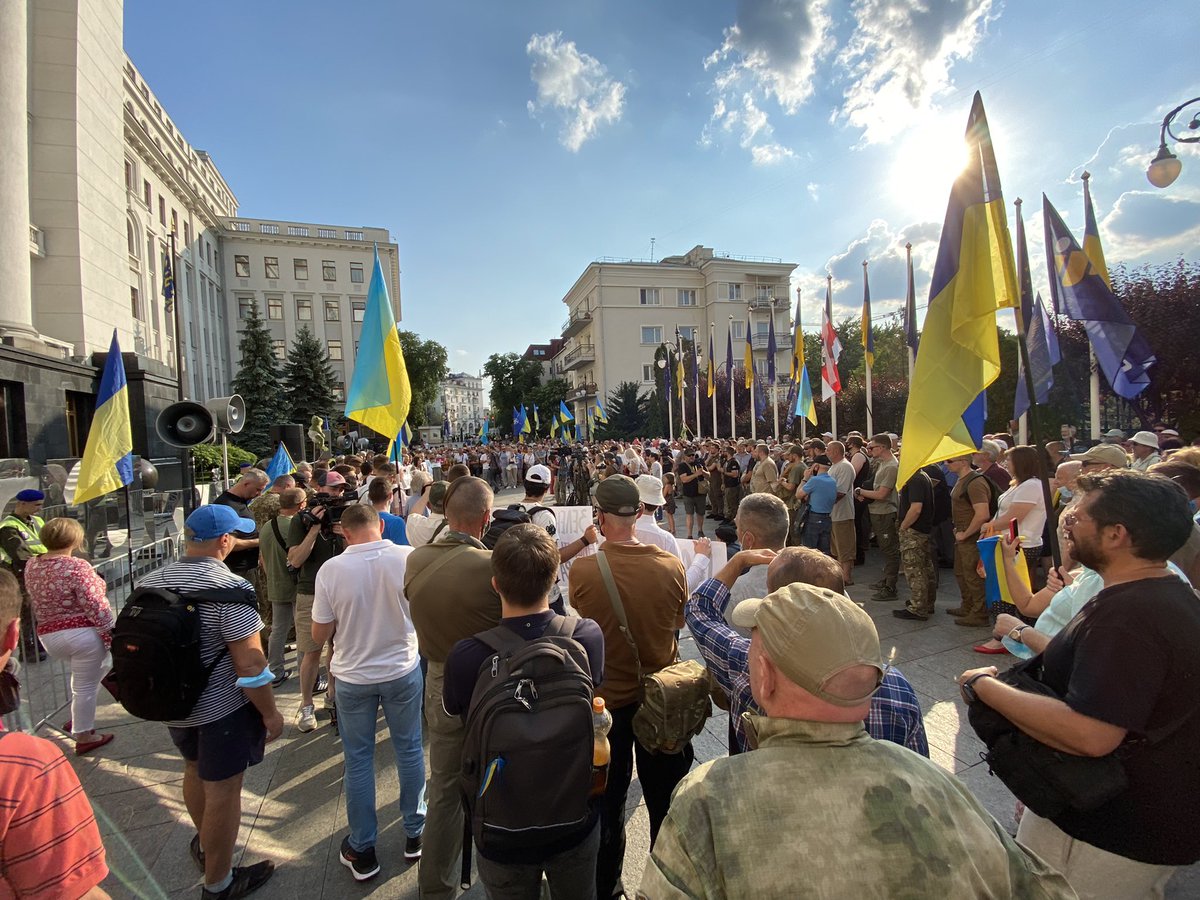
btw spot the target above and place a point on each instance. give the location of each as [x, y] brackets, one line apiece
[278, 536]
[537, 509]
[561, 626]
[441, 527]
[425, 574]
[501, 639]
[618, 608]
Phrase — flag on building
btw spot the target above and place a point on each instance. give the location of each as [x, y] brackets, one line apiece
[712, 366]
[831, 349]
[281, 463]
[1035, 335]
[108, 457]
[772, 348]
[1124, 354]
[380, 393]
[868, 338]
[748, 362]
[168, 281]
[974, 275]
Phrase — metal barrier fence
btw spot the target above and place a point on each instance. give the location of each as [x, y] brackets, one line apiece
[46, 682]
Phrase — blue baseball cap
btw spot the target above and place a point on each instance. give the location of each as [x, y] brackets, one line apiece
[214, 520]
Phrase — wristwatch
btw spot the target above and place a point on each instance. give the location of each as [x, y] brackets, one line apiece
[968, 686]
[1015, 634]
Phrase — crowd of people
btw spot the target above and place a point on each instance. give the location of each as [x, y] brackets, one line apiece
[391, 579]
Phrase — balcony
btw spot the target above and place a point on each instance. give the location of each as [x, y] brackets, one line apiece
[578, 321]
[582, 392]
[783, 341]
[582, 355]
[37, 241]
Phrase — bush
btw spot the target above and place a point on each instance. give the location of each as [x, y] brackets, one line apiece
[206, 456]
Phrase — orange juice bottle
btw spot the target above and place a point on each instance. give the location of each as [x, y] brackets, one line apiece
[601, 723]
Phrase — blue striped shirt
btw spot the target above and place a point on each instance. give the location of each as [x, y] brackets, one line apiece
[895, 714]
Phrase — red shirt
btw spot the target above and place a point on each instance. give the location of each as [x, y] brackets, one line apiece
[50, 847]
[67, 593]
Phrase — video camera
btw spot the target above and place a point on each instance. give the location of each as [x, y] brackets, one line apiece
[333, 506]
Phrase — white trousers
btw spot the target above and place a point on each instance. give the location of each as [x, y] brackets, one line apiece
[89, 661]
[1095, 874]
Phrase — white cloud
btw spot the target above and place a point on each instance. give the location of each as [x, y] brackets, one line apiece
[1149, 223]
[755, 130]
[575, 86]
[814, 191]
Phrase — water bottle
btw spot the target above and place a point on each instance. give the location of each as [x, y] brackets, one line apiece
[601, 723]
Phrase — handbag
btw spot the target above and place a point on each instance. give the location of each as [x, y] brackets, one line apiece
[1048, 781]
[675, 700]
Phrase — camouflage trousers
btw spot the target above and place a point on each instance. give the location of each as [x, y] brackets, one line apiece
[916, 558]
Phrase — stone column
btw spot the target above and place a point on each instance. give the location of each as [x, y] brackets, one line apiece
[16, 307]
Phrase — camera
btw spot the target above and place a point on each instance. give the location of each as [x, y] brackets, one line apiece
[333, 506]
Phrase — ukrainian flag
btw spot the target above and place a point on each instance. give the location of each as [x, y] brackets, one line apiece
[108, 458]
[483, 432]
[380, 393]
[804, 397]
[959, 355]
[281, 463]
[599, 413]
[868, 339]
[567, 415]
[996, 589]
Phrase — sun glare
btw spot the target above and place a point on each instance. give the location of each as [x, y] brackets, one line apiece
[927, 161]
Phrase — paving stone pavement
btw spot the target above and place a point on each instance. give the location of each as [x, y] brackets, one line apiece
[292, 802]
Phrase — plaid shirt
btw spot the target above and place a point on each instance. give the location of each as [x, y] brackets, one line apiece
[895, 714]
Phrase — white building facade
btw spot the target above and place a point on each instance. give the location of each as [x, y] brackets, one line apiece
[460, 401]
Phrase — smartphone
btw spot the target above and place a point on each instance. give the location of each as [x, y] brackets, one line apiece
[1013, 529]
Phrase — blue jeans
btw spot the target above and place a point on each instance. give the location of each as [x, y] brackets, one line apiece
[358, 712]
[817, 529]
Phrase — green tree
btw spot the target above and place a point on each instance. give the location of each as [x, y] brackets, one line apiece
[258, 383]
[426, 364]
[309, 379]
[547, 397]
[514, 380]
[628, 413]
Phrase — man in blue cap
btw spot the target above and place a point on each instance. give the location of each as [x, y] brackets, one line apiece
[20, 541]
[235, 715]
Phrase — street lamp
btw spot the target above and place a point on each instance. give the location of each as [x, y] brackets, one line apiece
[1165, 167]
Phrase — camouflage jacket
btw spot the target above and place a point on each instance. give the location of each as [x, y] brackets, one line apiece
[824, 810]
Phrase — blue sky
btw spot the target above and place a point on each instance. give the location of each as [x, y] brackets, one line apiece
[506, 145]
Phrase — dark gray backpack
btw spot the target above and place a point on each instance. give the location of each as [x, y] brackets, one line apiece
[527, 754]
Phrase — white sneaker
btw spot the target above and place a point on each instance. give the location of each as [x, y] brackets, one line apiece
[308, 719]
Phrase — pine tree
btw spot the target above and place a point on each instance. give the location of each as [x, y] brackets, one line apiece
[309, 379]
[258, 383]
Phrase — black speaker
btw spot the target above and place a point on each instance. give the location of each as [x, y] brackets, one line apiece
[186, 424]
[292, 436]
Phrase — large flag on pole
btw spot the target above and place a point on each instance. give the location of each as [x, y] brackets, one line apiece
[567, 415]
[679, 375]
[729, 354]
[1124, 355]
[1035, 335]
[804, 396]
[831, 349]
[974, 276]
[772, 348]
[599, 413]
[868, 339]
[748, 362]
[910, 308]
[281, 463]
[797, 342]
[380, 393]
[168, 281]
[483, 432]
[108, 457]
[712, 366]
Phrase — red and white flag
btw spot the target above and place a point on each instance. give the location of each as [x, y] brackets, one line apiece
[831, 349]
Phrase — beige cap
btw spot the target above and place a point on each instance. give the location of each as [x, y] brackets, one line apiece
[650, 490]
[1109, 454]
[812, 634]
[1146, 439]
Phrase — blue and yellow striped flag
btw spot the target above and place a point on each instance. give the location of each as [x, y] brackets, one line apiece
[108, 458]
[380, 393]
[974, 276]
[599, 413]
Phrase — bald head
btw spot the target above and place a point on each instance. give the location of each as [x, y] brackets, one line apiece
[1067, 472]
[468, 504]
[802, 565]
[836, 451]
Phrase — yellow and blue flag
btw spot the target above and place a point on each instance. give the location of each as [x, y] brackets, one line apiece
[483, 432]
[537, 425]
[868, 338]
[679, 376]
[1034, 326]
[599, 413]
[380, 393]
[526, 426]
[996, 589]
[805, 406]
[108, 458]
[1123, 353]
[567, 415]
[281, 463]
[974, 275]
[797, 342]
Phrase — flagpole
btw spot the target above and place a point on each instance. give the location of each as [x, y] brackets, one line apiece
[712, 362]
[129, 533]
[799, 376]
[826, 354]
[732, 405]
[187, 480]
[1094, 391]
[753, 374]
[867, 360]
[774, 383]
[696, 378]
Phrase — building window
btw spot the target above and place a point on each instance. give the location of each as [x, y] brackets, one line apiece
[326, 233]
[128, 175]
[78, 415]
[246, 307]
[739, 329]
[271, 266]
[762, 292]
[356, 273]
[686, 298]
[147, 194]
[135, 303]
[298, 231]
[333, 311]
[162, 211]
[688, 333]
[328, 270]
[300, 269]
[339, 392]
[279, 348]
[12, 420]
[651, 334]
[648, 372]
[335, 349]
[241, 266]
[303, 309]
[354, 235]
[174, 221]
[732, 292]
[187, 235]
[360, 309]
[648, 296]
[130, 240]
[264, 228]
[275, 308]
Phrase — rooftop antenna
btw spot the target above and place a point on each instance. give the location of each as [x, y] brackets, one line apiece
[651, 249]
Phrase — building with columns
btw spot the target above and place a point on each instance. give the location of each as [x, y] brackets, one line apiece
[460, 400]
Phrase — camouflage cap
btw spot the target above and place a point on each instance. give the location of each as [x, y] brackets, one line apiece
[812, 634]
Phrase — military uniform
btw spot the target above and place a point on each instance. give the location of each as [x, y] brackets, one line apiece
[872, 820]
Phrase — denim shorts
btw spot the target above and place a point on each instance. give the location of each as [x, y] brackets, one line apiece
[226, 747]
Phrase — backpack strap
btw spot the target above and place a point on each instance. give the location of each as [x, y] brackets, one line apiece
[441, 527]
[614, 597]
[426, 573]
[501, 639]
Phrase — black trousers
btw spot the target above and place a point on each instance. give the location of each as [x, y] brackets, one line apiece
[658, 774]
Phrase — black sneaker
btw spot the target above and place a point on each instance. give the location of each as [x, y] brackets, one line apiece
[197, 853]
[907, 613]
[281, 678]
[321, 685]
[412, 849]
[362, 863]
[246, 880]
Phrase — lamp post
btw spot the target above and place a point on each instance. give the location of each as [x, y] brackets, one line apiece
[1165, 167]
[662, 364]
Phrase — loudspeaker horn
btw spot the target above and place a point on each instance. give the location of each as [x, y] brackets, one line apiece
[185, 424]
[229, 413]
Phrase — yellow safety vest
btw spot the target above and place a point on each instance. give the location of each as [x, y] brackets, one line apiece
[30, 531]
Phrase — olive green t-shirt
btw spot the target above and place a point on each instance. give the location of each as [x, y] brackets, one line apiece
[281, 587]
[885, 476]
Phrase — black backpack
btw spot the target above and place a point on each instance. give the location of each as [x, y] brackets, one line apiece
[993, 491]
[527, 753]
[513, 514]
[156, 658]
